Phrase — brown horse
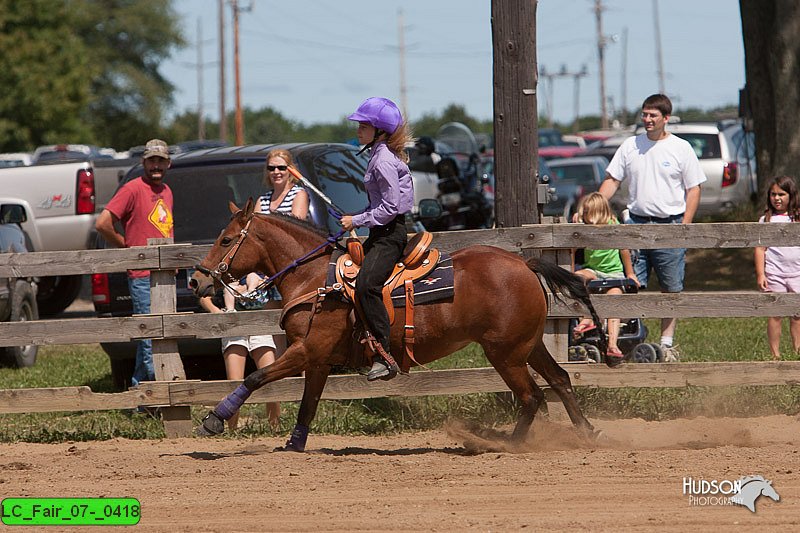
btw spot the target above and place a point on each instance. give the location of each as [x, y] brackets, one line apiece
[499, 302]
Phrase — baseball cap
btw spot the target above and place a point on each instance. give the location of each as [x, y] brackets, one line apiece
[156, 148]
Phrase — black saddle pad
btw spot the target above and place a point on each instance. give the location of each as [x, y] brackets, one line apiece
[438, 285]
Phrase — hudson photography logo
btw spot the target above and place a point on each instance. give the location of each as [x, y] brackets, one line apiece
[744, 491]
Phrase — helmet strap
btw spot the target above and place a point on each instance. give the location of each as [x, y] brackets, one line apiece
[378, 133]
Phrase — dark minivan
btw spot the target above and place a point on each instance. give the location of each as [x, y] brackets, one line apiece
[202, 183]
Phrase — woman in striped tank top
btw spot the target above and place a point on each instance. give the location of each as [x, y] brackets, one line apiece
[284, 196]
[289, 199]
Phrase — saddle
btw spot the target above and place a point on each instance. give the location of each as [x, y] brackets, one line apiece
[418, 260]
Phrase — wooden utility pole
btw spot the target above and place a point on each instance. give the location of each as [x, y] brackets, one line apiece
[201, 120]
[659, 56]
[401, 44]
[239, 122]
[601, 47]
[515, 112]
[223, 126]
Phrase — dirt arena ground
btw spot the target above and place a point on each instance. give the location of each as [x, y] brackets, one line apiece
[453, 479]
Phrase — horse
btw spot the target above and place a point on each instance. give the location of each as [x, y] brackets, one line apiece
[498, 302]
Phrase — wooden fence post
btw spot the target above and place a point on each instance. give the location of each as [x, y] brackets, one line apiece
[166, 358]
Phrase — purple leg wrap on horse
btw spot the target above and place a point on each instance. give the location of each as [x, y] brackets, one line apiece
[298, 438]
[232, 402]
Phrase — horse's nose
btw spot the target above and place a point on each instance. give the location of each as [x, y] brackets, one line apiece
[193, 284]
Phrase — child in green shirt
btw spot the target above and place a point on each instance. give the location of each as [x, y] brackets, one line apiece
[603, 264]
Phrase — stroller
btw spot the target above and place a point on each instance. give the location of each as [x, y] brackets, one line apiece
[632, 332]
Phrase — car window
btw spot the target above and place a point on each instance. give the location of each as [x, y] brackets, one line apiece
[339, 175]
[581, 174]
[201, 195]
[705, 145]
[58, 156]
[549, 138]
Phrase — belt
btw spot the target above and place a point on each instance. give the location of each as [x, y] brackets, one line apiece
[657, 220]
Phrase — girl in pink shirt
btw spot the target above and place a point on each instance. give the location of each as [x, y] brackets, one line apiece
[778, 268]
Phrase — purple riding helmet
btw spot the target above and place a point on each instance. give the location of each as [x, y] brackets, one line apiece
[381, 113]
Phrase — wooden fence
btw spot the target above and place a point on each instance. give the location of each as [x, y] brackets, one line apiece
[165, 326]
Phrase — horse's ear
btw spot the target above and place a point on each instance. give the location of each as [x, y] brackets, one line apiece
[249, 207]
[233, 208]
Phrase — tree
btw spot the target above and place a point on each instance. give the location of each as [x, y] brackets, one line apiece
[771, 30]
[83, 71]
[129, 39]
[43, 70]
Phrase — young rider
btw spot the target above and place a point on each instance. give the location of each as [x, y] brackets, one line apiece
[391, 195]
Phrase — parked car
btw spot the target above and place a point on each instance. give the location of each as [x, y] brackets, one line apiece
[573, 178]
[549, 137]
[728, 158]
[606, 147]
[574, 140]
[558, 152]
[203, 182]
[17, 295]
[488, 176]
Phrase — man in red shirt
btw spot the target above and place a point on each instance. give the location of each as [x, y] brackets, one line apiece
[143, 207]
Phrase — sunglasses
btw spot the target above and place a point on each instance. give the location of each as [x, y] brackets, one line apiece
[282, 168]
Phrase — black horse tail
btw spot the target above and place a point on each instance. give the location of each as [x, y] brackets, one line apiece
[563, 282]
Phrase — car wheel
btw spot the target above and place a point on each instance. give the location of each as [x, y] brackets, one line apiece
[56, 293]
[23, 309]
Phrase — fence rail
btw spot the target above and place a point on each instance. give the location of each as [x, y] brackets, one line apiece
[166, 327]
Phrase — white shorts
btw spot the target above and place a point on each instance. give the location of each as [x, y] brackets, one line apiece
[250, 343]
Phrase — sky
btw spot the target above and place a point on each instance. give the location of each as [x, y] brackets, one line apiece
[315, 60]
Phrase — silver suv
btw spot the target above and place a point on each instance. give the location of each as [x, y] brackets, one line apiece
[727, 155]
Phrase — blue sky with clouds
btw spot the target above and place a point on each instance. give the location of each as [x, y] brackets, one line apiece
[316, 60]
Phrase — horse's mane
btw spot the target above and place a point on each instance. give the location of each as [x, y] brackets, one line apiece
[305, 224]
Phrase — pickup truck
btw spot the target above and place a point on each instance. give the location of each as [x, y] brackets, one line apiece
[62, 199]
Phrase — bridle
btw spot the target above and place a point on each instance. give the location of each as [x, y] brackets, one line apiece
[223, 267]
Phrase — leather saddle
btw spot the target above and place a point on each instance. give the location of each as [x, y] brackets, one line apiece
[417, 262]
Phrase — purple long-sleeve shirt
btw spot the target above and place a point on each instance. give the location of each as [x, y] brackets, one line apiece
[389, 187]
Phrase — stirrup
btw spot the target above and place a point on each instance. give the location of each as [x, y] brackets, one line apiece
[382, 369]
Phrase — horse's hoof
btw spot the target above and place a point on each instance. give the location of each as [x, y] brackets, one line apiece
[212, 425]
[289, 447]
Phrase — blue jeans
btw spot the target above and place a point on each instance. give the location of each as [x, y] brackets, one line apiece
[669, 263]
[140, 297]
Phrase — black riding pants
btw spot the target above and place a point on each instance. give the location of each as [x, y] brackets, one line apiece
[382, 249]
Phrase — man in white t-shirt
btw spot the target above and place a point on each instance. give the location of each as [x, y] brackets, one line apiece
[664, 178]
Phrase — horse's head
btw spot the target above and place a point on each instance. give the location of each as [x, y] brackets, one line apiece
[232, 255]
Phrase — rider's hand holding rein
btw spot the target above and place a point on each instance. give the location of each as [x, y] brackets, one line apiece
[347, 222]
